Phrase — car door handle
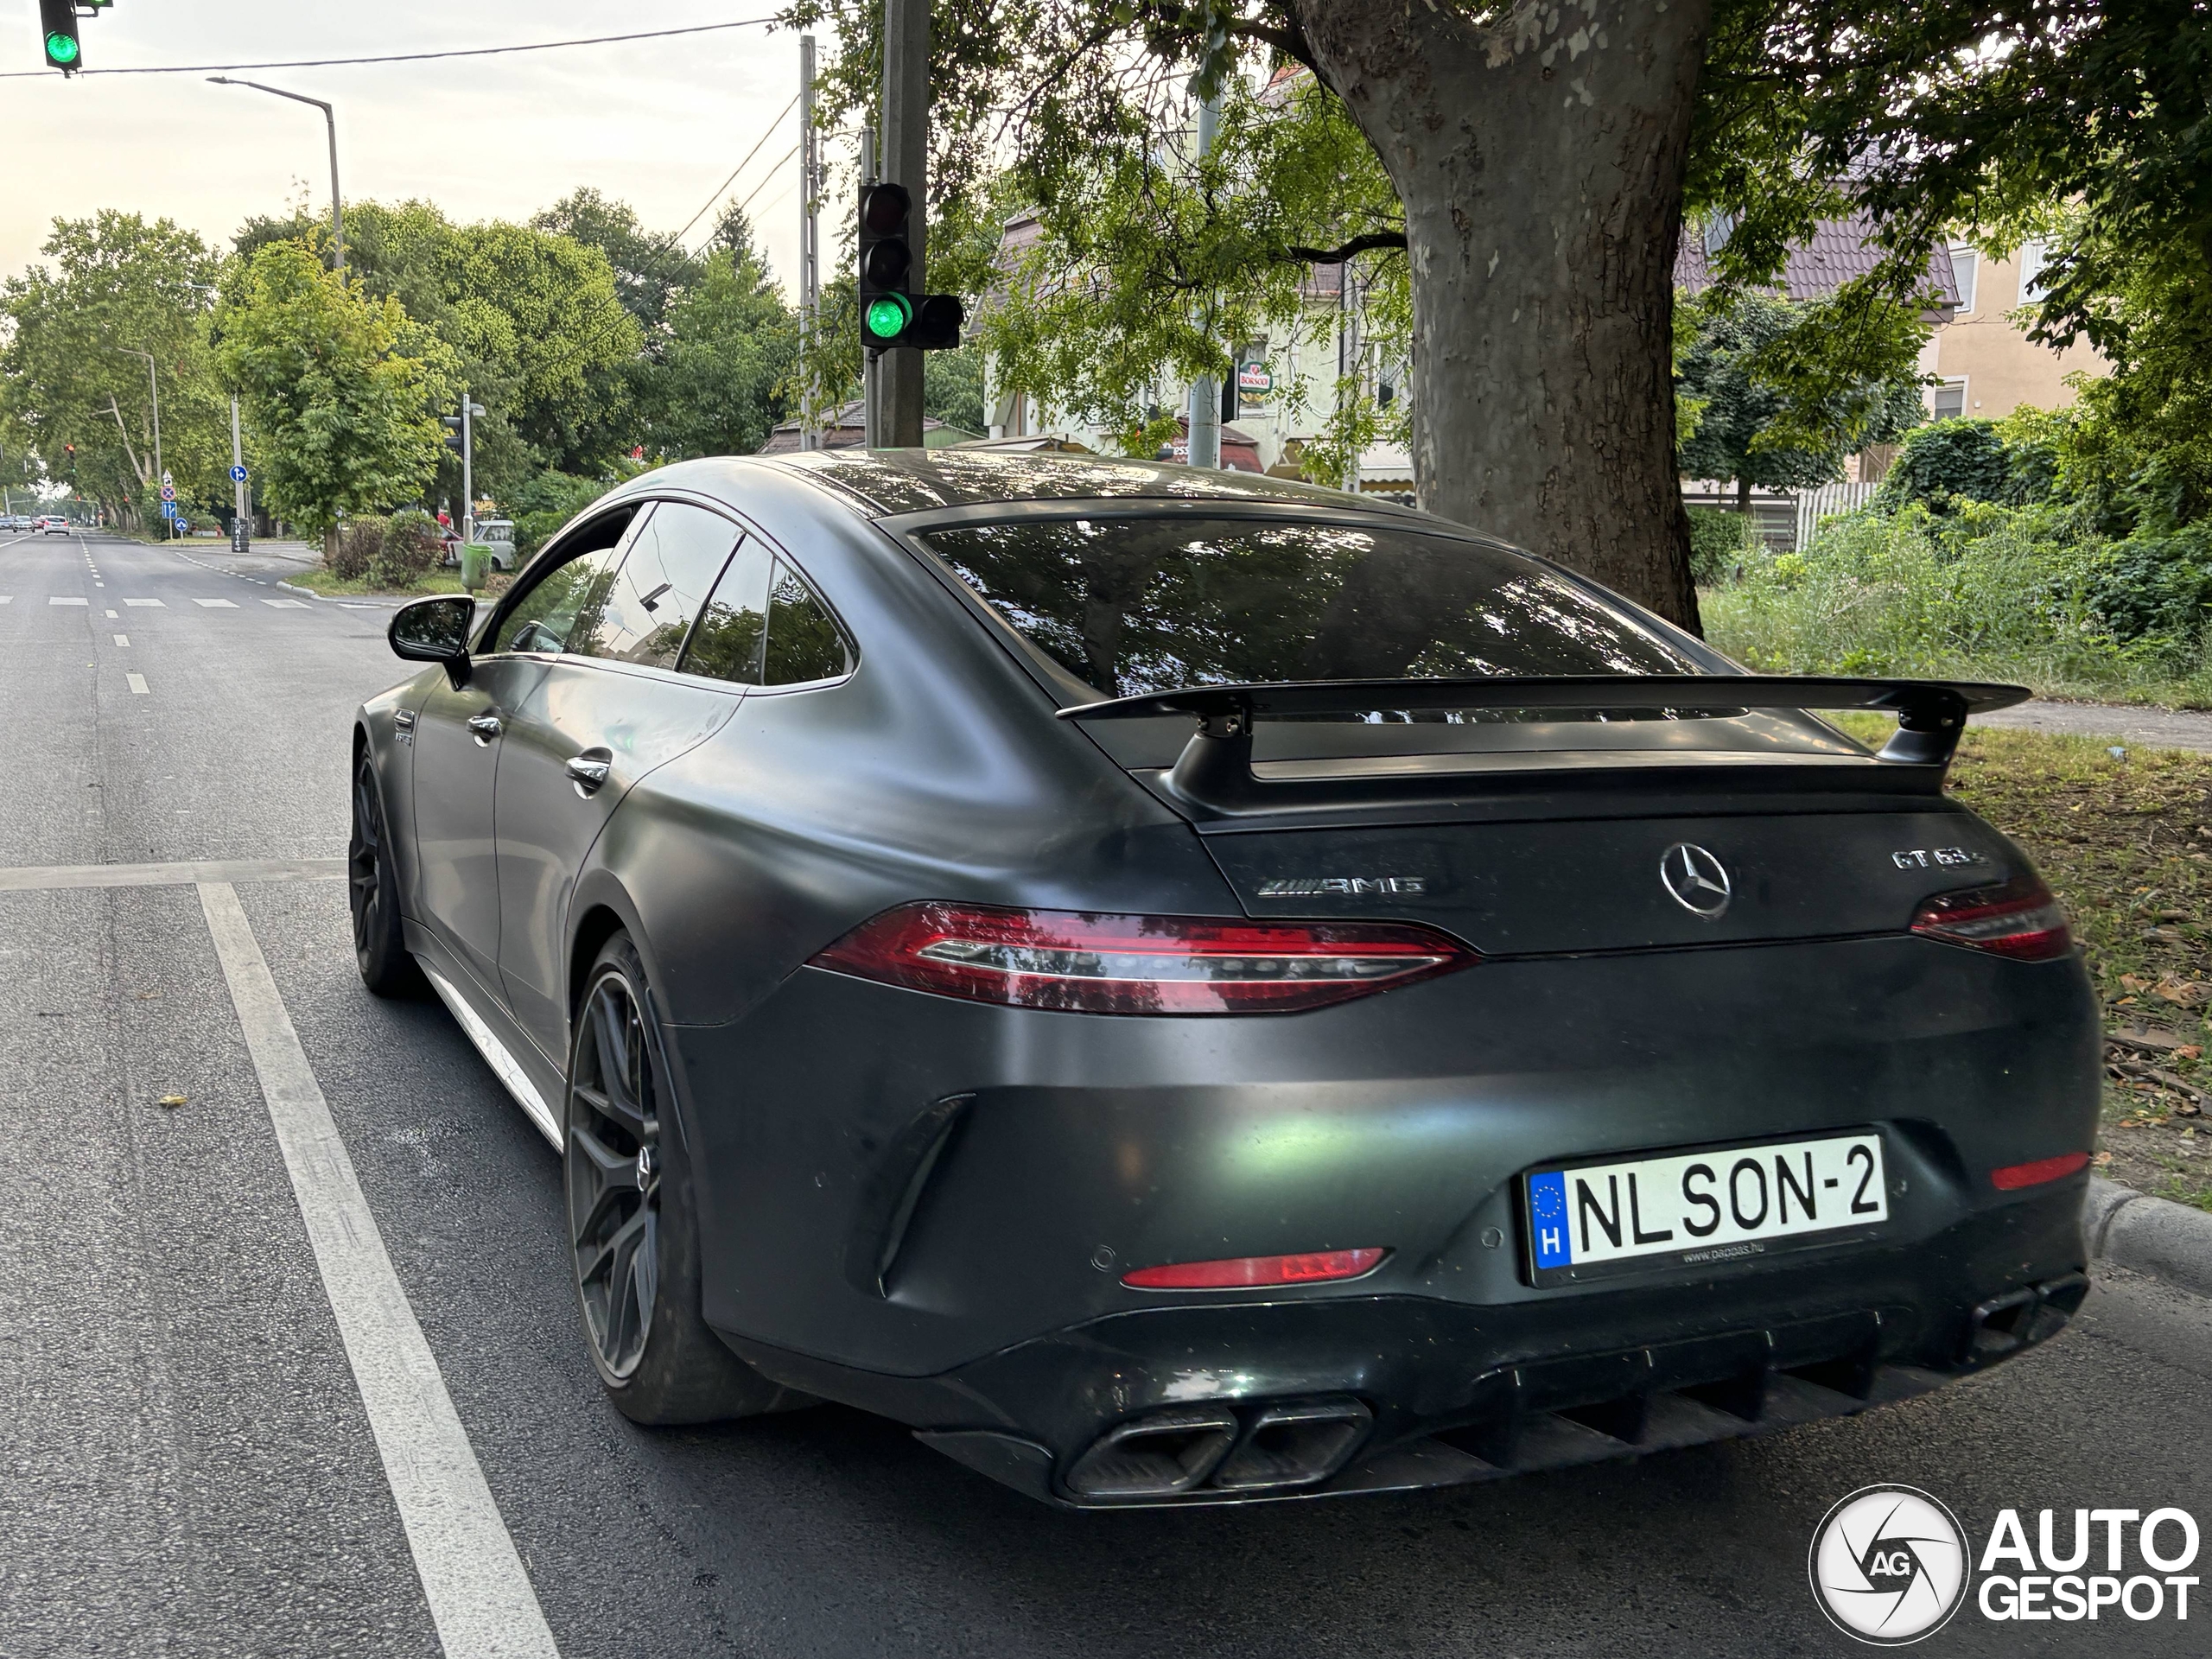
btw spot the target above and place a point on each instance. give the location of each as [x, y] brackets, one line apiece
[485, 727]
[588, 770]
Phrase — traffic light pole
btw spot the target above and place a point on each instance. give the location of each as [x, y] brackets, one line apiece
[906, 160]
[241, 509]
[810, 252]
[1205, 391]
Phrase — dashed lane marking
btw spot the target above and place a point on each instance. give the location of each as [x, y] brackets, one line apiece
[136, 683]
[59, 599]
[144, 604]
[47, 878]
[286, 604]
[124, 640]
[111, 616]
[217, 604]
[480, 1594]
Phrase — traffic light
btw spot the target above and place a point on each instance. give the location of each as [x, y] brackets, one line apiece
[58, 22]
[892, 314]
[453, 433]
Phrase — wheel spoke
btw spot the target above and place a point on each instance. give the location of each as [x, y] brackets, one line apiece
[612, 1176]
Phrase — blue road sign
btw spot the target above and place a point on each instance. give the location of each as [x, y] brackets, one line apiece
[169, 509]
[238, 475]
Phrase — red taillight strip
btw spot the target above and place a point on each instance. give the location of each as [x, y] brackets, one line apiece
[1254, 1272]
[1085, 962]
[2013, 1177]
[2018, 919]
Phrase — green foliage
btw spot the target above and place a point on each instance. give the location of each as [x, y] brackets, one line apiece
[116, 284]
[356, 546]
[952, 389]
[413, 543]
[1719, 542]
[1959, 458]
[543, 504]
[720, 384]
[650, 269]
[1782, 391]
[339, 387]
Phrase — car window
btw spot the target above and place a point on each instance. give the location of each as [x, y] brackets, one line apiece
[726, 645]
[672, 564]
[566, 601]
[1136, 605]
[804, 641]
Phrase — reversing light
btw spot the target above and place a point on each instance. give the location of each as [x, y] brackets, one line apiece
[1252, 1272]
[1082, 963]
[2013, 1177]
[2018, 919]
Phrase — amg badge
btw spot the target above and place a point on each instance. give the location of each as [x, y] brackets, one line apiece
[1299, 887]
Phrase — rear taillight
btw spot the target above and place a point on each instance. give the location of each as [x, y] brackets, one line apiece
[2013, 1177]
[2019, 919]
[1080, 962]
[1256, 1272]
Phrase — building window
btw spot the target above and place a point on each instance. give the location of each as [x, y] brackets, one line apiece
[2031, 261]
[1950, 401]
[1965, 266]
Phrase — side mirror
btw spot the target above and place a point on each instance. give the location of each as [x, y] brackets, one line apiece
[435, 630]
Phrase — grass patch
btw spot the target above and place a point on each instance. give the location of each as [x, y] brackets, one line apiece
[321, 580]
[2126, 845]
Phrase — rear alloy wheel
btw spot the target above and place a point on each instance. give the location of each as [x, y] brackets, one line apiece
[632, 1220]
[379, 946]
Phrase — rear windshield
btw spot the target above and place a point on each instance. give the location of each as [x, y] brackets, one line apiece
[1130, 606]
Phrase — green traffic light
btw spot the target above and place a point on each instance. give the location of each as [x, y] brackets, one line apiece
[59, 48]
[887, 315]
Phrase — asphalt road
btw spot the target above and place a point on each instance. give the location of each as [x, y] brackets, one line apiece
[186, 1466]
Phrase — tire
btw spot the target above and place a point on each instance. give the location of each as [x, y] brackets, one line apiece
[632, 1227]
[379, 945]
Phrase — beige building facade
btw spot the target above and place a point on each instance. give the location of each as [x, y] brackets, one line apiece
[1985, 365]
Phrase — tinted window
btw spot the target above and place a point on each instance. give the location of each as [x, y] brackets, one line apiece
[1130, 605]
[566, 601]
[726, 645]
[803, 643]
[671, 567]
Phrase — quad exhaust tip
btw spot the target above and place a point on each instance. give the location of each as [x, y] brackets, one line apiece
[1273, 1448]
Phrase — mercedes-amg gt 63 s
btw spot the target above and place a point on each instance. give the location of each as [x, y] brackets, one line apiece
[1187, 989]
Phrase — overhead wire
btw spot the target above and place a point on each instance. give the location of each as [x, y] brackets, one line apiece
[740, 167]
[405, 57]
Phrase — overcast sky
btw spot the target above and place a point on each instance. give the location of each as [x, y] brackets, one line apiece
[656, 123]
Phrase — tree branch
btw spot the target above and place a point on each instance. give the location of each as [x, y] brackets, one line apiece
[1351, 250]
[130, 454]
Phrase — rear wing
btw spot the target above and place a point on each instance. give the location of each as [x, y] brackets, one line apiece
[1215, 769]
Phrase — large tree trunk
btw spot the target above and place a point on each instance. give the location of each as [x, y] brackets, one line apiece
[1541, 161]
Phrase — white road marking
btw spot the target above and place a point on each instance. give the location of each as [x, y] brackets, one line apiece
[480, 1596]
[124, 640]
[110, 613]
[136, 683]
[47, 878]
[217, 604]
[154, 604]
[58, 600]
[7, 598]
[286, 604]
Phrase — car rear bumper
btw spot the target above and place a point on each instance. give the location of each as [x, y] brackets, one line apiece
[1198, 1405]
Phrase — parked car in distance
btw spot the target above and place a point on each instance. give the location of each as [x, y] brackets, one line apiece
[496, 536]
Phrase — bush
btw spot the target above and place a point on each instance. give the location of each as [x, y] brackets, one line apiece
[543, 504]
[1951, 458]
[1720, 541]
[2153, 586]
[359, 542]
[413, 546]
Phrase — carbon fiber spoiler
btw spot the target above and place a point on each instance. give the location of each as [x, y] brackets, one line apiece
[1214, 768]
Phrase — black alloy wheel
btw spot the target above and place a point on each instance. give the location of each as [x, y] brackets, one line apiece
[614, 1167]
[631, 1217]
[380, 944]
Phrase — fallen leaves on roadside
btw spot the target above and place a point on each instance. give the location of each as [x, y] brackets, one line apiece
[172, 1100]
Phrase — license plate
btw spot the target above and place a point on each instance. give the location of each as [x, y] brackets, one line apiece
[1703, 1208]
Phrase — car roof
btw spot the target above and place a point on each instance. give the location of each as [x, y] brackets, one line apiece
[885, 483]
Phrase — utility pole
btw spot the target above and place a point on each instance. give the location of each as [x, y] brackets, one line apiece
[905, 161]
[810, 252]
[871, 380]
[1205, 391]
[468, 410]
[241, 499]
[154, 388]
[330, 120]
[1351, 349]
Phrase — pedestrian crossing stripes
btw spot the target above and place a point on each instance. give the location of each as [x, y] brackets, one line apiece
[217, 604]
[59, 599]
[136, 683]
[286, 604]
[154, 604]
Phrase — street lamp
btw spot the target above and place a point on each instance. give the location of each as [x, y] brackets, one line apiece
[153, 386]
[337, 213]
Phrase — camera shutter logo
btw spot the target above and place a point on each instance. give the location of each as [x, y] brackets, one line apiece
[1888, 1565]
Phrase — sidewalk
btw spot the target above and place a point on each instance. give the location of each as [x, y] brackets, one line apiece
[2152, 728]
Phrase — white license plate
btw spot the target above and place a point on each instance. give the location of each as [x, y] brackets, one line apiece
[1696, 1208]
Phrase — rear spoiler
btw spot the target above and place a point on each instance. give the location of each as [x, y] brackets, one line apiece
[1215, 769]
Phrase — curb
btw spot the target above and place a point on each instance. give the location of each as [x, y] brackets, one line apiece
[2157, 1236]
[352, 602]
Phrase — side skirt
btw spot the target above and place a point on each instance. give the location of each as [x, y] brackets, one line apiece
[505, 1066]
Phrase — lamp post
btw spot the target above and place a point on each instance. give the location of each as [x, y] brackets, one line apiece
[154, 387]
[330, 118]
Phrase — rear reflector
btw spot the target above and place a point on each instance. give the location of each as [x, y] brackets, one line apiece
[2019, 919]
[1249, 1272]
[2012, 1177]
[1081, 962]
